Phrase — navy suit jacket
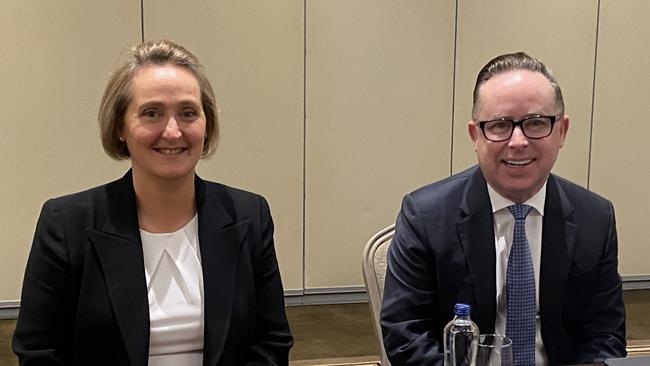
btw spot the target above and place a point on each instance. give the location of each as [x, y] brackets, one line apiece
[443, 252]
[84, 297]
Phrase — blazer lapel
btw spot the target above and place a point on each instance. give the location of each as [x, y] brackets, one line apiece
[476, 234]
[220, 238]
[558, 237]
[119, 251]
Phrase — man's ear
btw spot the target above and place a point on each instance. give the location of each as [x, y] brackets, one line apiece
[564, 128]
[473, 131]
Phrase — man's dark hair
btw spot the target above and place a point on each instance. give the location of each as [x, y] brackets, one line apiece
[510, 62]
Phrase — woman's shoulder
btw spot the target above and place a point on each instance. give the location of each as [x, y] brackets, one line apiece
[82, 202]
[236, 198]
[224, 189]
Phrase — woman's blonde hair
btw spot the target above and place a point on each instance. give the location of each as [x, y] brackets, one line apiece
[118, 94]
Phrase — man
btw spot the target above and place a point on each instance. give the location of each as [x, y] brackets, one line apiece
[533, 254]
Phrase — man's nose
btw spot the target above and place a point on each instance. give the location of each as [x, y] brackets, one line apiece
[518, 139]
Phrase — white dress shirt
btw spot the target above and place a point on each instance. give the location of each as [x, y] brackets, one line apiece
[175, 289]
[504, 224]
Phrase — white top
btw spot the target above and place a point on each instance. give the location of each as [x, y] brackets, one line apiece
[504, 225]
[175, 289]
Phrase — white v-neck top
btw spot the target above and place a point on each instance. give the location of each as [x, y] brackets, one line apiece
[175, 289]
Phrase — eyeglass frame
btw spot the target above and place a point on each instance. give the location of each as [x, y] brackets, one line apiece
[519, 123]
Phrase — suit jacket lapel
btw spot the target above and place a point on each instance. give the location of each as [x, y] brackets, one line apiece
[220, 238]
[476, 234]
[119, 251]
[558, 237]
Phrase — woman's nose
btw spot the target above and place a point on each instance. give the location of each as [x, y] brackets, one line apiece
[172, 131]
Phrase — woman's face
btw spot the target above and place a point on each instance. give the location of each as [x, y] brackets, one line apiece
[164, 124]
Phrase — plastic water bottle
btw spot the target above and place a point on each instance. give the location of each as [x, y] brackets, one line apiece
[460, 338]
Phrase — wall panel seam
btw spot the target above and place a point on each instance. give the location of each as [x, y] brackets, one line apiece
[304, 141]
[453, 92]
[142, 20]
[593, 98]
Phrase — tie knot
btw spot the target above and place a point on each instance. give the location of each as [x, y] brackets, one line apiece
[520, 211]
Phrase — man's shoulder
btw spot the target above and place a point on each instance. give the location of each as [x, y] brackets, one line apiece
[453, 184]
[581, 200]
[577, 193]
[447, 192]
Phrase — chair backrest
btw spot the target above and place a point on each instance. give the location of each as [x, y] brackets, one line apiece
[374, 272]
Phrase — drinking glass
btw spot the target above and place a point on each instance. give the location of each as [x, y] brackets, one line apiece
[494, 350]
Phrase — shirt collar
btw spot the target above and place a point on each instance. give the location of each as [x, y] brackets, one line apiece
[499, 202]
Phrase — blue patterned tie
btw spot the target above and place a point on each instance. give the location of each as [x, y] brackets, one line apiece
[520, 282]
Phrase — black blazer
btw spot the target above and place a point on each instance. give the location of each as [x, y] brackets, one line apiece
[443, 253]
[84, 298]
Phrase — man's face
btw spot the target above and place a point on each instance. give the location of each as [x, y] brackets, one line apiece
[517, 168]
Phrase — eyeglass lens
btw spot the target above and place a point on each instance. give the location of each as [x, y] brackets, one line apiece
[534, 127]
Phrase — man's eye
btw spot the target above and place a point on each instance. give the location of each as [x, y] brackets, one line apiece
[499, 125]
[537, 122]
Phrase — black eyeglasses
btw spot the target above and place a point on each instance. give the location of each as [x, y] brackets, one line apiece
[533, 127]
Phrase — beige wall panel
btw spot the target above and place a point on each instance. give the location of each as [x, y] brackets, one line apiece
[56, 57]
[378, 103]
[253, 52]
[560, 33]
[619, 166]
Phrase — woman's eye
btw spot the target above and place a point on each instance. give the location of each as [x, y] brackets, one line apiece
[150, 113]
[189, 114]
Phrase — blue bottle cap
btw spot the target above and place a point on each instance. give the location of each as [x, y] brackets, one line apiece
[462, 309]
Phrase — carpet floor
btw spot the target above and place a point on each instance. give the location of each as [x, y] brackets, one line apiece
[344, 335]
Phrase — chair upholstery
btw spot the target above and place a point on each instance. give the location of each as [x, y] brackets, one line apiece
[374, 272]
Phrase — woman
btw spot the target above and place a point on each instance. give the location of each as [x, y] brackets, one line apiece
[158, 267]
